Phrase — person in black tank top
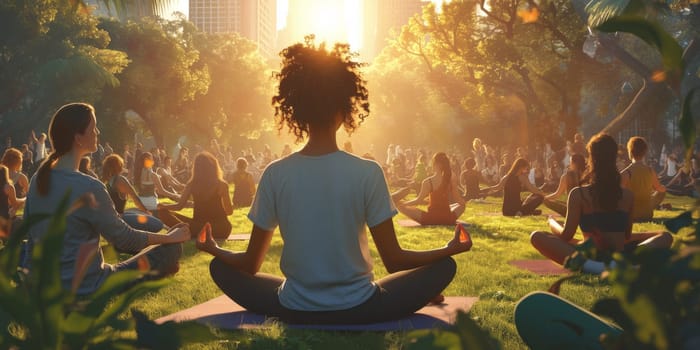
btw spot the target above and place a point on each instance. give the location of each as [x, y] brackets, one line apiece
[512, 184]
[212, 202]
[119, 189]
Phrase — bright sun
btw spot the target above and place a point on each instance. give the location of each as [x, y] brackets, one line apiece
[326, 23]
[330, 21]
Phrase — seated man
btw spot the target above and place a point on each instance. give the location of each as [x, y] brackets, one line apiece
[641, 179]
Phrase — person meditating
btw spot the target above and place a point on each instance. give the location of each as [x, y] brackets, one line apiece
[120, 189]
[570, 179]
[322, 199]
[601, 209]
[209, 192]
[73, 134]
[512, 184]
[441, 190]
[641, 179]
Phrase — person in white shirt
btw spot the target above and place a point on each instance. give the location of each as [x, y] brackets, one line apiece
[322, 198]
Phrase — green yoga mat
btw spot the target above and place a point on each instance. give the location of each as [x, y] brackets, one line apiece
[546, 321]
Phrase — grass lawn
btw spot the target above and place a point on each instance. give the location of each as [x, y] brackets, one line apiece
[484, 272]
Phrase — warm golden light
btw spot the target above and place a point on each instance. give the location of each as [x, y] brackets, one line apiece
[329, 21]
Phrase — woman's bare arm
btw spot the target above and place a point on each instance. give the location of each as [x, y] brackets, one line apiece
[124, 186]
[248, 261]
[396, 258]
[424, 192]
[573, 215]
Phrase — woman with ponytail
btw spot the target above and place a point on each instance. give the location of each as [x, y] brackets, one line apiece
[73, 134]
[441, 190]
[601, 209]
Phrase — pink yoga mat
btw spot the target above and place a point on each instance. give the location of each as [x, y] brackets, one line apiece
[224, 313]
[413, 223]
[540, 266]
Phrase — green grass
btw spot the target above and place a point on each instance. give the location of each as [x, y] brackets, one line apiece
[484, 271]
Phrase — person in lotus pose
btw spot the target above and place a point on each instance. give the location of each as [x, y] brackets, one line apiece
[322, 198]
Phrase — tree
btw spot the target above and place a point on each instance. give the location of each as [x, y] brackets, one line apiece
[499, 52]
[51, 52]
[660, 80]
[161, 76]
[238, 95]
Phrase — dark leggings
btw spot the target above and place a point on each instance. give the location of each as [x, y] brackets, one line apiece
[163, 260]
[398, 295]
[528, 206]
[220, 229]
[557, 206]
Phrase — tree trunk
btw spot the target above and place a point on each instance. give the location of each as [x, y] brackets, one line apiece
[650, 103]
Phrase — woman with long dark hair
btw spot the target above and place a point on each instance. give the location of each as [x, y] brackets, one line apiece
[441, 190]
[512, 184]
[212, 202]
[601, 209]
[73, 135]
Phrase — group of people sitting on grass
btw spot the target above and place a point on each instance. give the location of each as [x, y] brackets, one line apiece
[321, 198]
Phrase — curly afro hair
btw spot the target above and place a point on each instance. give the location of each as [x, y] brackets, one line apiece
[315, 84]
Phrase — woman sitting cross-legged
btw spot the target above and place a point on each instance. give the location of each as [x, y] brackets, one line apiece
[322, 199]
[73, 134]
[212, 202]
[570, 179]
[119, 189]
[148, 184]
[512, 184]
[243, 185]
[601, 209]
[470, 179]
[441, 189]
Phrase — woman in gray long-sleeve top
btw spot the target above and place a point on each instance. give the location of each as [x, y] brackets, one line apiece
[73, 134]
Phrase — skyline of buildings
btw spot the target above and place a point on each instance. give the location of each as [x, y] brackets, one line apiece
[365, 24]
[252, 19]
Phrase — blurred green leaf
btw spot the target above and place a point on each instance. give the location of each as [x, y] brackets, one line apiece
[651, 33]
[611, 308]
[687, 123]
[600, 11]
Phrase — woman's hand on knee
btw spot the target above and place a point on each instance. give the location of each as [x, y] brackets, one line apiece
[205, 240]
[461, 242]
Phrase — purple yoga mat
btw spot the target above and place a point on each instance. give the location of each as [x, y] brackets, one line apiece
[224, 313]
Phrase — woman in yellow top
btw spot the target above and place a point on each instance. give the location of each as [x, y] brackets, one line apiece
[641, 179]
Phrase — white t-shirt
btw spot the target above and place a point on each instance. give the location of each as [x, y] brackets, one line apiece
[322, 204]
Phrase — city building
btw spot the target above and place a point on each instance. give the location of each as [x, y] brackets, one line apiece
[381, 18]
[252, 19]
